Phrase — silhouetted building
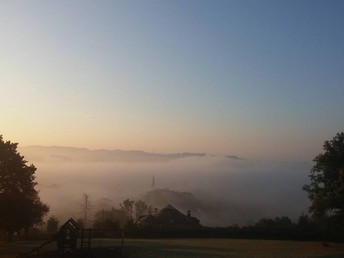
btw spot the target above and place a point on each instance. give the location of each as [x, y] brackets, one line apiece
[169, 217]
[67, 236]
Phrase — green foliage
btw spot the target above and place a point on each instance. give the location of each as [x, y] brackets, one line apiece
[326, 188]
[52, 225]
[20, 206]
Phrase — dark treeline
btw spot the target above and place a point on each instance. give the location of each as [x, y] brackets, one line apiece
[126, 217]
[279, 228]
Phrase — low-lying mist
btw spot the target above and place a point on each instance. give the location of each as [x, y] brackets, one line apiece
[221, 191]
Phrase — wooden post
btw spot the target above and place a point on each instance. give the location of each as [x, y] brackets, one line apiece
[122, 244]
[89, 238]
[82, 238]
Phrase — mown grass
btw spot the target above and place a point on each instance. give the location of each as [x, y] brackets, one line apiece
[199, 248]
[216, 248]
[11, 250]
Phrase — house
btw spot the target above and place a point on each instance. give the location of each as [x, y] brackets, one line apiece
[169, 218]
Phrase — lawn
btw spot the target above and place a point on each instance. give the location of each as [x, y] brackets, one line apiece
[192, 248]
[200, 248]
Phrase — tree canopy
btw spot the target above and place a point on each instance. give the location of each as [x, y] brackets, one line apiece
[20, 205]
[326, 188]
[52, 225]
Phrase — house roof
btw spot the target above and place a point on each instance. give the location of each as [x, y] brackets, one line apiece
[70, 224]
[169, 216]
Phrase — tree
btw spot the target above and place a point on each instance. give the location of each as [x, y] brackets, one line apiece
[127, 206]
[326, 188]
[52, 225]
[141, 208]
[20, 205]
[304, 222]
[265, 223]
[283, 222]
[109, 219]
[86, 209]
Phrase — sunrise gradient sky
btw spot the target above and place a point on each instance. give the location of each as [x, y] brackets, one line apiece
[258, 79]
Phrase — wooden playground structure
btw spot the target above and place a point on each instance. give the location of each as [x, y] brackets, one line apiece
[74, 241]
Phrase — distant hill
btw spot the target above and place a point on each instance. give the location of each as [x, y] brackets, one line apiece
[159, 198]
[72, 154]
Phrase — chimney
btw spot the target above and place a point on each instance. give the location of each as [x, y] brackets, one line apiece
[188, 213]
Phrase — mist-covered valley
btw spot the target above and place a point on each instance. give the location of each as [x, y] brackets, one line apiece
[219, 190]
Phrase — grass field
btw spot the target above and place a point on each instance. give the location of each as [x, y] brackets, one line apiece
[202, 248]
[214, 248]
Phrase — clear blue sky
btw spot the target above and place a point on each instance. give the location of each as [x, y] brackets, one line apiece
[260, 79]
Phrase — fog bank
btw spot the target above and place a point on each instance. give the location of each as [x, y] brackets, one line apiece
[224, 190]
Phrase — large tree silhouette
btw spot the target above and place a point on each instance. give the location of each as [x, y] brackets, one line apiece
[326, 188]
[20, 205]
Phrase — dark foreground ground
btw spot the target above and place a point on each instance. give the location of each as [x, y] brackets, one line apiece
[193, 248]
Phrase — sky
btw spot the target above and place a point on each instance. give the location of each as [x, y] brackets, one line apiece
[256, 79]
